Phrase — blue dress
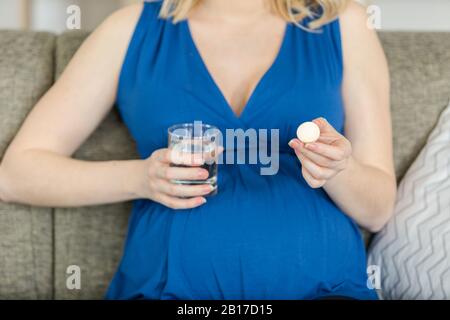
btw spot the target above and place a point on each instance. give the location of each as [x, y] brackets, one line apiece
[261, 236]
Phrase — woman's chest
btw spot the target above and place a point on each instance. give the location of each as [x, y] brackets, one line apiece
[173, 85]
[237, 60]
[154, 109]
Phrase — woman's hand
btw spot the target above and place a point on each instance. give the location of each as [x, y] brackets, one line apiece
[157, 186]
[325, 158]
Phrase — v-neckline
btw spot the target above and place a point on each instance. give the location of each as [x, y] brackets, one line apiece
[204, 68]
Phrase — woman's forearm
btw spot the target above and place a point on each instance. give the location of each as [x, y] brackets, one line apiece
[365, 193]
[43, 178]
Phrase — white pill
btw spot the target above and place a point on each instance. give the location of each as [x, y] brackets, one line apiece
[308, 132]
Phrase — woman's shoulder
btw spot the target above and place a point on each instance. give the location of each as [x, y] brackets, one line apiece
[124, 19]
[131, 13]
[357, 33]
[116, 31]
[108, 43]
[353, 16]
[123, 22]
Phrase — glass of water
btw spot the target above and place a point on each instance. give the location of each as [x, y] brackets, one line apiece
[196, 141]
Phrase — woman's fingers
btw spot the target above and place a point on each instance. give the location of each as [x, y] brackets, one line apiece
[181, 173]
[312, 182]
[177, 157]
[180, 157]
[317, 172]
[328, 138]
[177, 203]
[323, 159]
[312, 179]
[336, 153]
[325, 155]
[183, 190]
[325, 127]
[173, 195]
[319, 159]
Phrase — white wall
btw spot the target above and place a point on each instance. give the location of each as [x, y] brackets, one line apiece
[50, 15]
[419, 15]
[9, 14]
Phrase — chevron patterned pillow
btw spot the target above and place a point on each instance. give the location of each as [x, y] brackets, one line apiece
[413, 250]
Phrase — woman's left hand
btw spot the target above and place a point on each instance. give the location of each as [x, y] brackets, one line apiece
[325, 158]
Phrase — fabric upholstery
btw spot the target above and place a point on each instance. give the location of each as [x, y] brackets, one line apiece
[26, 72]
[91, 237]
[420, 79]
[412, 251]
[419, 65]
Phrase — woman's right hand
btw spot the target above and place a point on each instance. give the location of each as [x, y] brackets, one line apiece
[157, 184]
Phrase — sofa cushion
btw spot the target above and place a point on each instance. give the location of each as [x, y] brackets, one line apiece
[420, 75]
[91, 237]
[412, 251]
[26, 72]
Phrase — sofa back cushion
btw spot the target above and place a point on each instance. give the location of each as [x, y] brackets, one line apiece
[91, 237]
[420, 79]
[26, 72]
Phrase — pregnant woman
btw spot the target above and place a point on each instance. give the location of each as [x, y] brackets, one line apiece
[261, 64]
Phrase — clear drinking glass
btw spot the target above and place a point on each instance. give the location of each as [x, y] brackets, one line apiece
[196, 140]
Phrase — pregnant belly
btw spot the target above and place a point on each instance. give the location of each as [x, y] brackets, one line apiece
[265, 238]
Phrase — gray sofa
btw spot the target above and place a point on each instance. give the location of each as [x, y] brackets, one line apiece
[38, 244]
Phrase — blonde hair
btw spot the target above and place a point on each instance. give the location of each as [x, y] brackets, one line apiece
[291, 10]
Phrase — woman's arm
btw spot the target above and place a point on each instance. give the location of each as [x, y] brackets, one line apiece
[37, 168]
[357, 171]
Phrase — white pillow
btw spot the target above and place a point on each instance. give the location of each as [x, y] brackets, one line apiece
[413, 250]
